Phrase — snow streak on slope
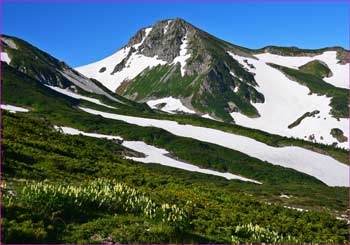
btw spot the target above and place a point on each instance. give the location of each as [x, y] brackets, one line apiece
[208, 117]
[166, 27]
[325, 168]
[286, 101]
[135, 64]
[183, 55]
[78, 96]
[154, 154]
[5, 58]
[157, 155]
[172, 105]
[13, 108]
[73, 131]
[340, 77]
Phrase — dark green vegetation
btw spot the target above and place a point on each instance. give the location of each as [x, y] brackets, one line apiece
[317, 68]
[339, 96]
[307, 114]
[338, 134]
[151, 83]
[213, 208]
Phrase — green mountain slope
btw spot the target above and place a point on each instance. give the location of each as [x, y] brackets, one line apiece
[34, 151]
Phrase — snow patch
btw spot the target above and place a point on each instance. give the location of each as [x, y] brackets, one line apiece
[13, 109]
[5, 57]
[209, 117]
[73, 131]
[157, 155]
[78, 96]
[172, 105]
[340, 72]
[322, 167]
[285, 196]
[92, 70]
[184, 55]
[134, 66]
[286, 101]
[166, 27]
[153, 154]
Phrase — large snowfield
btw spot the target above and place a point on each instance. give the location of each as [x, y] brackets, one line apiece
[154, 154]
[325, 168]
[287, 100]
[134, 66]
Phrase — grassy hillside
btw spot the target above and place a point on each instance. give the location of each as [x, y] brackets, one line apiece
[187, 207]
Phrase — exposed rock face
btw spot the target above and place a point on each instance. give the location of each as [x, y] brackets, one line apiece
[213, 71]
[165, 39]
[122, 64]
[137, 38]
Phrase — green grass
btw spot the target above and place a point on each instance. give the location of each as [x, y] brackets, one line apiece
[160, 81]
[316, 68]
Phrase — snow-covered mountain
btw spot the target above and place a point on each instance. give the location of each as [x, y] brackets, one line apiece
[29, 83]
[176, 67]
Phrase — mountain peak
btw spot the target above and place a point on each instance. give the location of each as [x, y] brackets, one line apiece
[163, 39]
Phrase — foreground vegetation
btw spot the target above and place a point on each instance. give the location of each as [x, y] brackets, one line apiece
[54, 193]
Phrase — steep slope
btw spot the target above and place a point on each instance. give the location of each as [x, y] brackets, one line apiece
[194, 72]
[174, 58]
[46, 69]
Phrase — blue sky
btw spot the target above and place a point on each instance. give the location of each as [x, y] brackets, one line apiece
[80, 33]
